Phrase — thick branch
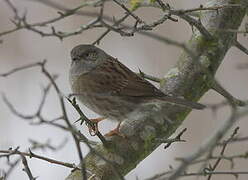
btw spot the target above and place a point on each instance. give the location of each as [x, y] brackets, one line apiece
[186, 79]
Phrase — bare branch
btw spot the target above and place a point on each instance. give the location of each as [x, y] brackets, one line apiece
[84, 118]
[61, 99]
[26, 167]
[22, 68]
[33, 155]
[128, 11]
[197, 174]
[241, 47]
[172, 140]
[23, 24]
[230, 99]
[195, 23]
[117, 23]
[212, 8]
[222, 153]
[209, 144]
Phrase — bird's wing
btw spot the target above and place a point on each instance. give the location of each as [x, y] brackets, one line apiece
[118, 80]
[121, 81]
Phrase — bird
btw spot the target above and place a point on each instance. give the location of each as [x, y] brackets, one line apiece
[109, 88]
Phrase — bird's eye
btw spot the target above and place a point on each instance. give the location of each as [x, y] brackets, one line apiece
[91, 55]
[74, 59]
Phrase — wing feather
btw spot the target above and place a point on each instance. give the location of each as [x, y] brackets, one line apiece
[125, 82]
[121, 81]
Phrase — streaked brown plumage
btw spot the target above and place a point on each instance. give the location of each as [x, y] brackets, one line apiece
[109, 88]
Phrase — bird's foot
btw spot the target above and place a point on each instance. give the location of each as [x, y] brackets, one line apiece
[94, 129]
[115, 132]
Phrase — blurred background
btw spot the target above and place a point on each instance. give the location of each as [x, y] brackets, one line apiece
[24, 89]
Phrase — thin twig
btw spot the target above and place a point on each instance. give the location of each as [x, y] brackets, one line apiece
[212, 8]
[33, 155]
[209, 144]
[62, 104]
[242, 48]
[84, 118]
[172, 140]
[128, 11]
[26, 167]
[97, 41]
[230, 99]
[61, 99]
[212, 168]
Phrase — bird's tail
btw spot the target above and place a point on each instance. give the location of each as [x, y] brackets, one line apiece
[183, 102]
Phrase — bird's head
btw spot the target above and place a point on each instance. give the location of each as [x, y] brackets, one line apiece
[85, 58]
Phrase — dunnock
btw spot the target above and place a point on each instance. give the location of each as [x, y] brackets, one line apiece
[109, 88]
